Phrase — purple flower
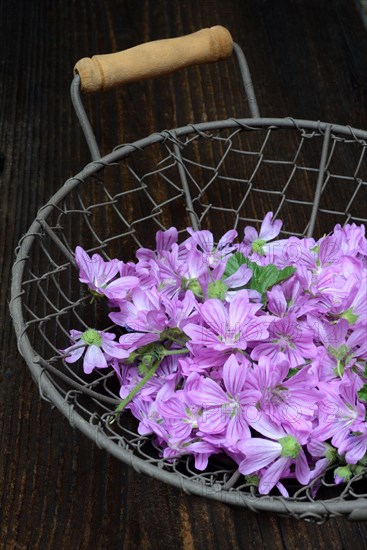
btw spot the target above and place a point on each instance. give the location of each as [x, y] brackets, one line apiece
[289, 298]
[324, 455]
[199, 363]
[150, 420]
[354, 446]
[358, 306]
[175, 273]
[162, 383]
[143, 317]
[343, 348]
[179, 412]
[100, 275]
[340, 413]
[216, 285]
[99, 348]
[289, 401]
[231, 326]
[351, 239]
[212, 253]
[164, 242]
[224, 408]
[288, 336]
[201, 451]
[277, 455]
[268, 231]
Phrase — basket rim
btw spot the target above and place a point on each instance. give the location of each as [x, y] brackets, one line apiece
[316, 511]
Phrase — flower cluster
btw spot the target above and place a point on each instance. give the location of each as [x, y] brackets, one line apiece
[254, 348]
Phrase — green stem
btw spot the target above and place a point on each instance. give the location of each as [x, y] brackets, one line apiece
[135, 390]
[175, 340]
[340, 368]
[174, 352]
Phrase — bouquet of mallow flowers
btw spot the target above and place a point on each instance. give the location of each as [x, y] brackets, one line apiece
[256, 348]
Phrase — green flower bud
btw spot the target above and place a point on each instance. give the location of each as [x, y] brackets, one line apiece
[95, 294]
[343, 472]
[92, 338]
[350, 316]
[217, 289]
[195, 287]
[252, 480]
[358, 469]
[258, 246]
[330, 453]
[339, 353]
[290, 446]
[148, 359]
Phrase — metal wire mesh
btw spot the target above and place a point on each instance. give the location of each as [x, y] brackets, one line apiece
[213, 176]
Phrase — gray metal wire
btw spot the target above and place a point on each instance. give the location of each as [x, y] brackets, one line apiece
[310, 174]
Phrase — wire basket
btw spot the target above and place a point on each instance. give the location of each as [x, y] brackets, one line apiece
[208, 175]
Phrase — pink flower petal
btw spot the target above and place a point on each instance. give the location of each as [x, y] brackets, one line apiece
[266, 427]
[94, 358]
[165, 239]
[200, 335]
[269, 228]
[215, 315]
[272, 475]
[227, 238]
[213, 419]
[208, 393]
[73, 354]
[116, 290]
[234, 375]
[258, 454]
[134, 340]
[203, 238]
[172, 408]
[251, 234]
[303, 473]
[237, 430]
[114, 350]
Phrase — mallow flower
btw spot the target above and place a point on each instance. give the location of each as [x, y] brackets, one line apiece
[100, 275]
[229, 326]
[97, 346]
[277, 454]
[268, 231]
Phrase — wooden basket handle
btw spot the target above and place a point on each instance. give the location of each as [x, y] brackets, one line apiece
[160, 57]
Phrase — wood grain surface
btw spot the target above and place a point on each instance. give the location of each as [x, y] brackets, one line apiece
[308, 59]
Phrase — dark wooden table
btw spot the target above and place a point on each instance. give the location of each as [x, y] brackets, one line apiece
[308, 59]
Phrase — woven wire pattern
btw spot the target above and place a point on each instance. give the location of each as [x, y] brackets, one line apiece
[217, 180]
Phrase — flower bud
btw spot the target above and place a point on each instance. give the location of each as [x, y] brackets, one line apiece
[217, 289]
[342, 474]
[290, 446]
[258, 246]
[92, 338]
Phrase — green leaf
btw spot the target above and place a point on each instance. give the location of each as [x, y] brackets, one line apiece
[292, 371]
[351, 317]
[234, 263]
[362, 393]
[263, 277]
[285, 273]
